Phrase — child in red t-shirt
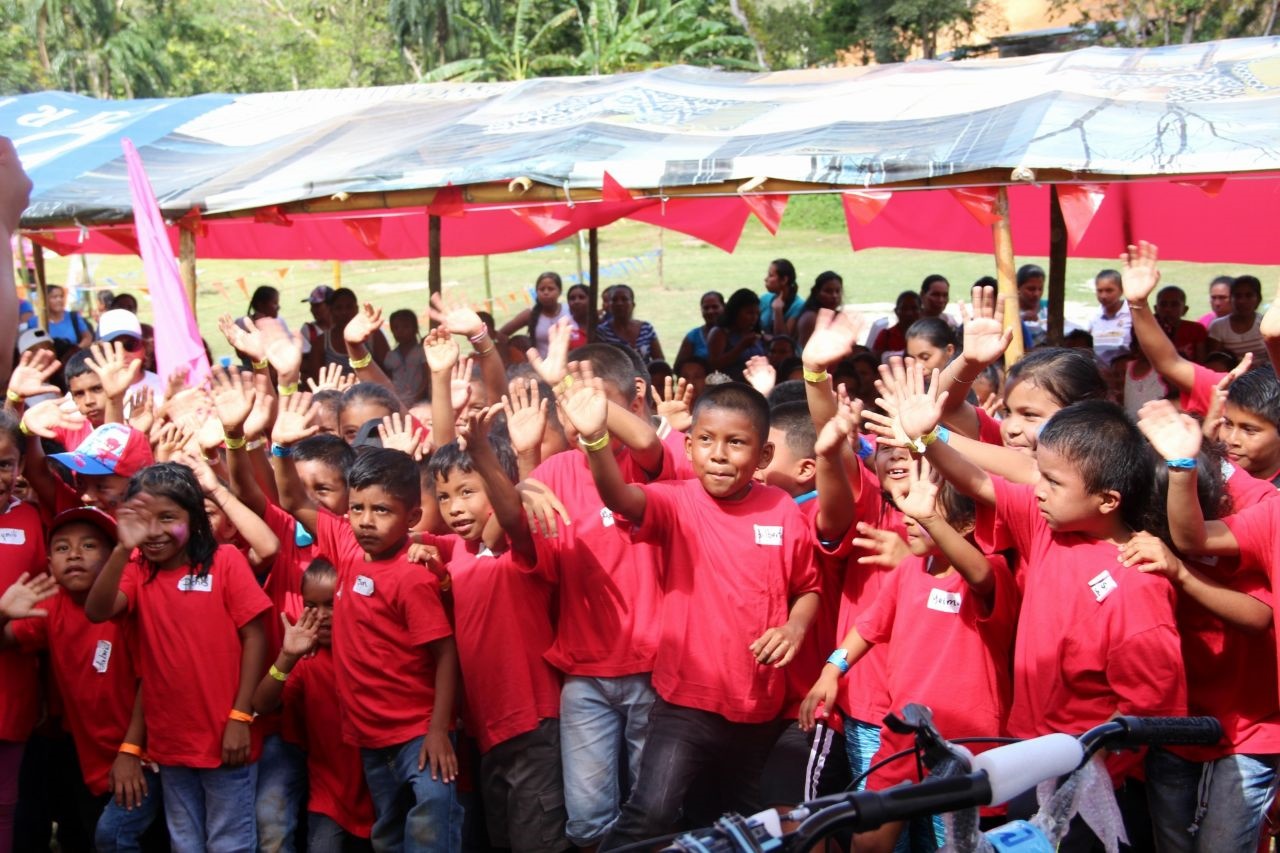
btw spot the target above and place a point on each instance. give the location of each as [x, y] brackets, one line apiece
[198, 612]
[946, 615]
[395, 659]
[302, 680]
[93, 667]
[740, 590]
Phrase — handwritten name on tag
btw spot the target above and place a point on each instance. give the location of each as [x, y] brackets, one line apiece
[363, 586]
[13, 536]
[943, 601]
[102, 656]
[767, 534]
[1103, 585]
[191, 583]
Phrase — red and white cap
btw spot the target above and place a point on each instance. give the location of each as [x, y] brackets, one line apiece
[110, 449]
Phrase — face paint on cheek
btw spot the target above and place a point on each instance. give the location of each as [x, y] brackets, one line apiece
[180, 532]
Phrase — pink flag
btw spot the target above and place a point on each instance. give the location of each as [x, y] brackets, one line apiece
[177, 335]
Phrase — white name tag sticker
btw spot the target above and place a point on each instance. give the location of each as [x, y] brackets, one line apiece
[768, 534]
[363, 586]
[191, 583]
[943, 601]
[606, 517]
[13, 536]
[1102, 585]
[102, 656]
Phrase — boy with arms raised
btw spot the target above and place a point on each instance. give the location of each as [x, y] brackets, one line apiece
[732, 547]
[394, 654]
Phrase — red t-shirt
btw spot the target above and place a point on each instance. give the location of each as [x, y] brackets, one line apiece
[501, 614]
[93, 667]
[1244, 488]
[1254, 528]
[988, 428]
[284, 584]
[1187, 337]
[610, 599]
[21, 550]
[944, 652]
[385, 612]
[335, 772]
[1094, 638]
[71, 438]
[189, 652]
[821, 637]
[1197, 402]
[731, 571]
[676, 465]
[892, 339]
[864, 691]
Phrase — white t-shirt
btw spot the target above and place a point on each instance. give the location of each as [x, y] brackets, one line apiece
[1238, 343]
[1111, 335]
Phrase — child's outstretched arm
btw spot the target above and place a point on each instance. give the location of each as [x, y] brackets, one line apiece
[584, 404]
[837, 491]
[639, 436]
[442, 354]
[263, 544]
[357, 333]
[234, 396]
[294, 423]
[508, 511]
[1176, 437]
[985, 342]
[458, 319]
[437, 749]
[38, 422]
[526, 422]
[20, 599]
[298, 641]
[236, 741]
[1148, 554]
[833, 338]
[31, 377]
[1139, 276]
[133, 520]
[825, 688]
[918, 498]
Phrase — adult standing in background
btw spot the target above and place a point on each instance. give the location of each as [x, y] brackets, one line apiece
[622, 329]
[1219, 299]
[781, 306]
[547, 309]
[1239, 332]
[63, 324]
[128, 302]
[935, 296]
[1112, 326]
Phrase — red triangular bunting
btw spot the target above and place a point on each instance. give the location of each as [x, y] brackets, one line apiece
[862, 206]
[767, 208]
[448, 201]
[979, 201]
[611, 190]
[1079, 203]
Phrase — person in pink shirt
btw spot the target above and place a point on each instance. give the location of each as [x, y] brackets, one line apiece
[1219, 299]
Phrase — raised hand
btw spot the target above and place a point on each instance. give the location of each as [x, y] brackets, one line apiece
[884, 547]
[526, 415]
[1172, 434]
[204, 474]
[248, 341]
[263, 414]
[584, 403]
[171, 439]
[1139, 274]
[460, 385]
[834, 336]
[837, 430]
[175, 383]
[330, 378]
[985, 338]
[31, 375]
[19, 600]
[429, 556]
[43, 418]
[296, 419]
[142, 409]
[367, 321]
[441, 350]
[282, 350]
[551, 368]
[115, 370]
[919, 409]
[457, 318]
[541, 507]
[133, 520]
[760, 374]
[993, 404]
[917, 497]
[300, 639]
[675, 403]
[233, 397]
[401, 432]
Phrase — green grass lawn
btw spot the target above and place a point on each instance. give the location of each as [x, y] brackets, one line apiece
[668, 271]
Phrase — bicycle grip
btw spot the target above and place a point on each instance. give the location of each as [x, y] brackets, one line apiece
[1021, 766]
[1175, 731]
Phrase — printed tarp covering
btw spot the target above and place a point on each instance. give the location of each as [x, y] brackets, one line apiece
[1211, 108]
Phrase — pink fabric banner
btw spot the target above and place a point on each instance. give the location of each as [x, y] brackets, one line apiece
[177, 336]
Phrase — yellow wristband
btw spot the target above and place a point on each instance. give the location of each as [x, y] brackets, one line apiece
[360, 363]
[234, 443]
[240, 716]
[288, 390]
[23, 428]
[592, 446]
[810, 376]
[277, 674]
[130, 749]
[14, 396]
[260, 365]
[567, 382]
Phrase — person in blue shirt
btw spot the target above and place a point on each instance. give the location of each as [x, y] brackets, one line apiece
[695, 342]
[63, 324]
[781, 307]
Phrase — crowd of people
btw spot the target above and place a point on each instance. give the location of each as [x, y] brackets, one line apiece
[554, 592]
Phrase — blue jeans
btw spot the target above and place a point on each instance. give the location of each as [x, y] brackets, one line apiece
[1216, 806]
[119, 830]
[413, 812]
[861, 741]
[324, 835]
[210, 810]
[599, 718]
[282, 792]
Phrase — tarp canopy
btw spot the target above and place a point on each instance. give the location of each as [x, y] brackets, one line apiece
[352, 173]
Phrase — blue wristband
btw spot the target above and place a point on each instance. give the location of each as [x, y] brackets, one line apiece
[944, 434]
[1183, 464]
[866, 447]
[839, 659]
[281, 451]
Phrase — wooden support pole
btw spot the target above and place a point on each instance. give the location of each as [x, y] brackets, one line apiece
[187, 265]
[337, 274]
[1008, 286]
[1057, 268]
[488, 286]
[593, 261]
[434, 285]
[42, 294]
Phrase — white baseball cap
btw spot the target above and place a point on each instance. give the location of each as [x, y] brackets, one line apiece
[118, 323]
[32, 338]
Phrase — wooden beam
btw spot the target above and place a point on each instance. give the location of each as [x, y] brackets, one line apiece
[434, 281]
[1057, 269]
[187, 265]
[593, 261]
[1008, 285]
[42, 295]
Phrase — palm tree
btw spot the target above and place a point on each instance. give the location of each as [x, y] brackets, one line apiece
[513, 56]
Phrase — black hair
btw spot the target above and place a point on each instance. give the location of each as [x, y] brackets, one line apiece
[1107, 274]
[793, 421]
[262, 293]
[811, 304]
[959, 510]
[1224, 360]
[581, 287]
[787, 391]
[393, 471]
[120, 297]
[906, 294]
[1211, 490]
[535, 311]
[739, 300]
[1026, 272]
[717, 294]
[736, 397]
[1068, 375]
[178, 483]
[450, 457]
[787, 270]
[1083, 336]
[639, 370]
[611, 364]
[1173, 288]
[1228, 280]
[330, 450]
[77, 365]
[1257, 392]
[1106, 448]
[692, 359]
[370, 392]
[659, 367]
[935, 330]
[318, 570]
[329, 398]
[9, 424]
[788, 366]
[930, 281]
[404, 312]
[986, 281]
[1249, 281]
[339, 293]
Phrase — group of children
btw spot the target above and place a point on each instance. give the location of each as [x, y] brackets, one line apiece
[552, 605]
